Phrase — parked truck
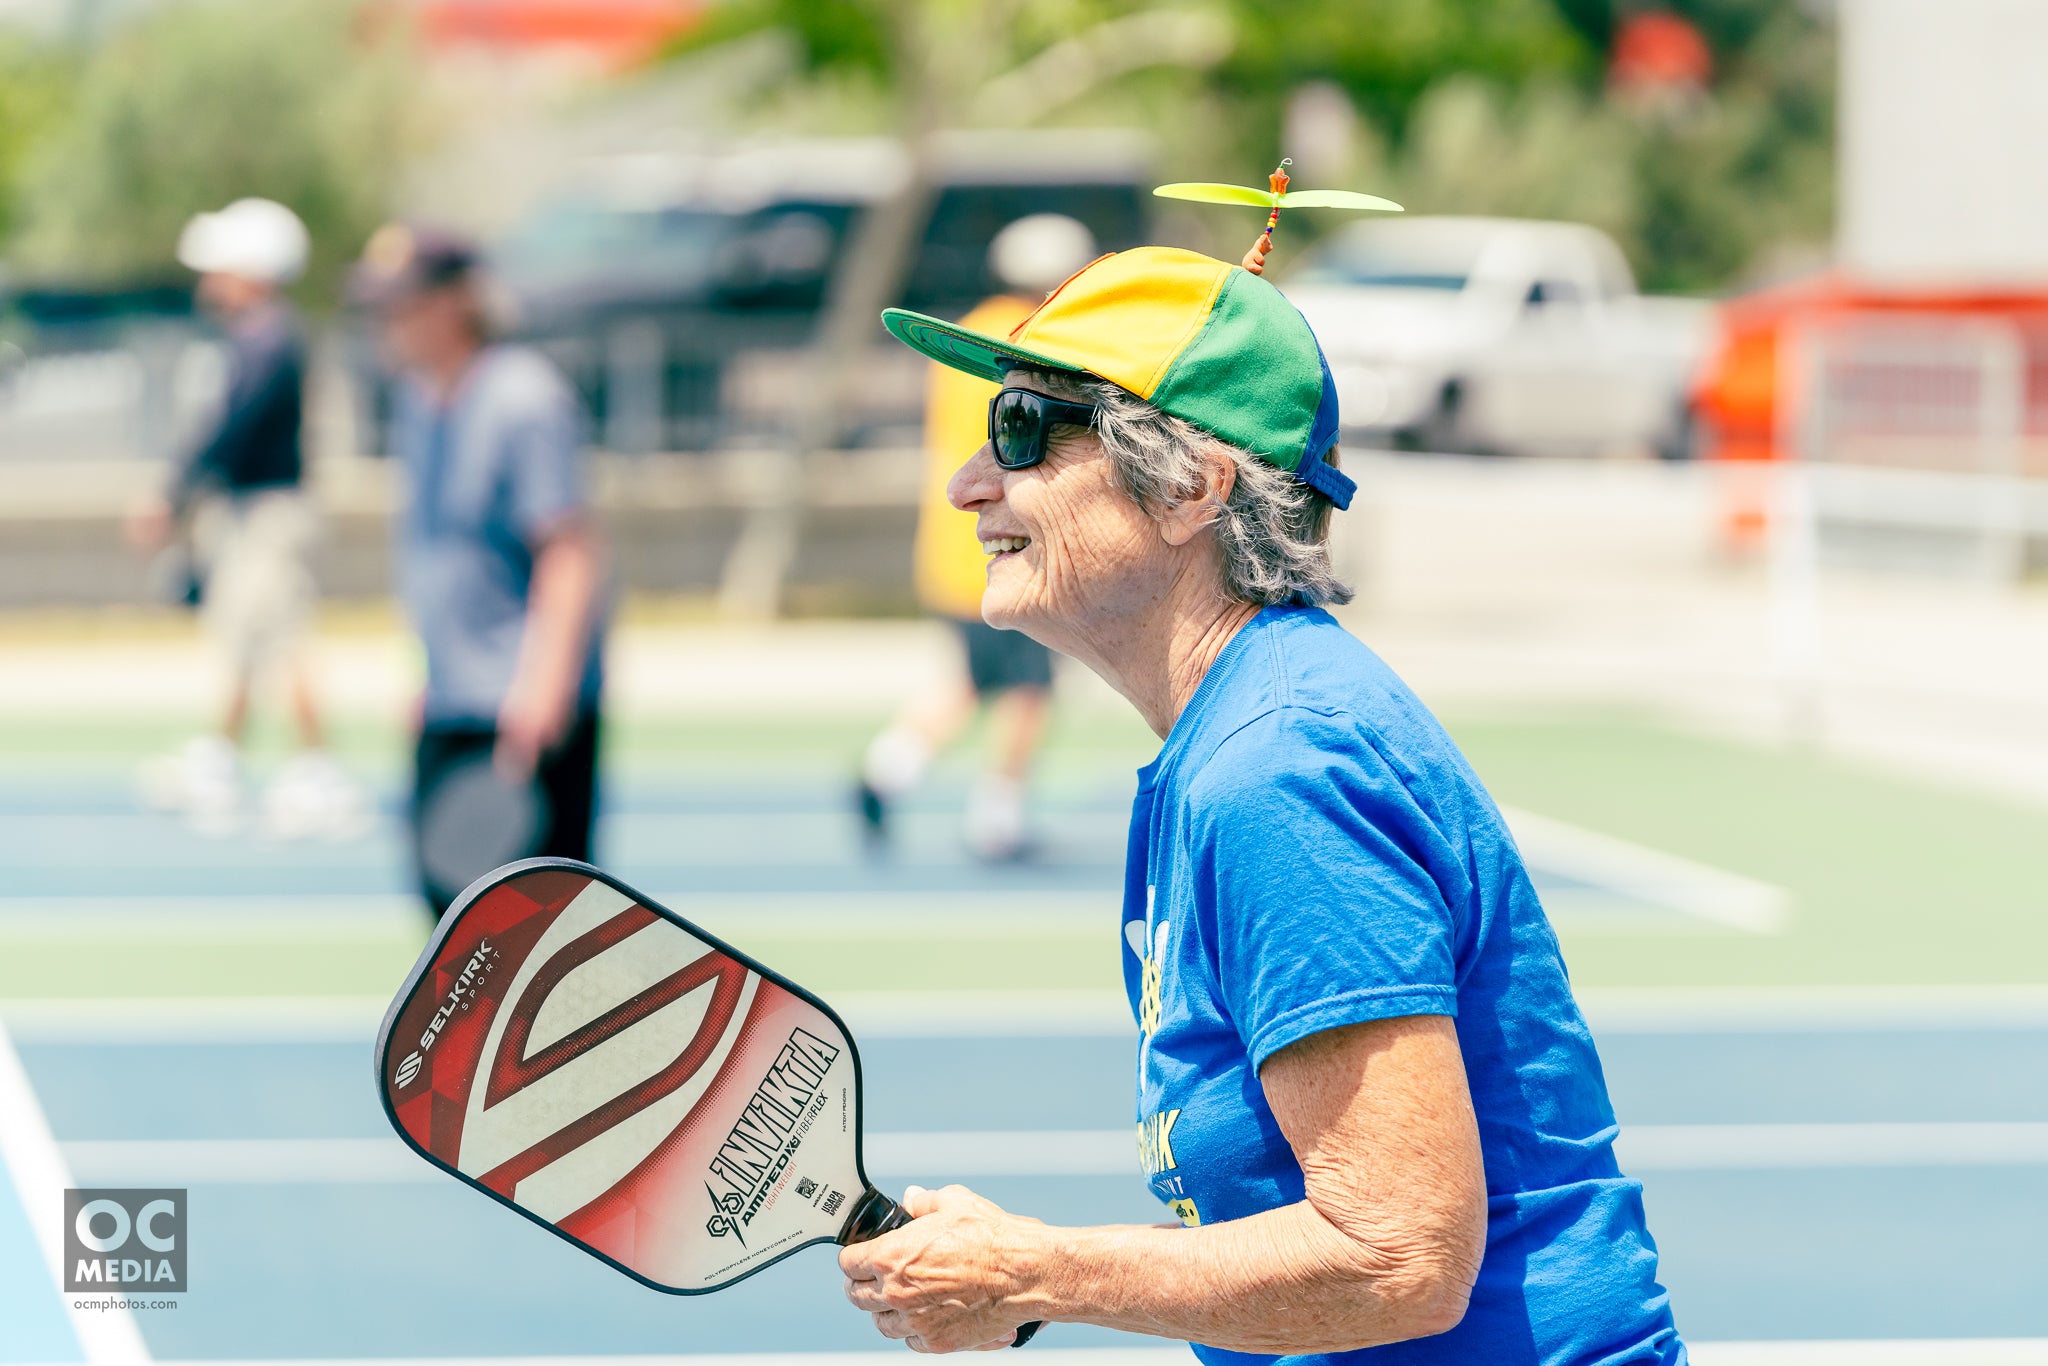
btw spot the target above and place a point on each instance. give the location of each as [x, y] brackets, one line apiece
[1498, 336]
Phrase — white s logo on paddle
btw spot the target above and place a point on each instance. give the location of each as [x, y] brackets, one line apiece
[589, 1069]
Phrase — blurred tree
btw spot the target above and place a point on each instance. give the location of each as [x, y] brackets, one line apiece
[1475, 106]
[1699, 192]
[1386, 54]
[1750, 173]
[1547, 151]
[1731, 26]
[196, 105]
[958, 63]
[36, 84]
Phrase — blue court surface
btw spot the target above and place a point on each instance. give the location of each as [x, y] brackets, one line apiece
[1865, 1164]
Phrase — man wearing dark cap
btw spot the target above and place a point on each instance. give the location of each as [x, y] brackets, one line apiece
[500, 563]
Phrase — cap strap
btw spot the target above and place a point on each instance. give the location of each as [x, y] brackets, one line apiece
[1332, 483]
[1313, 469]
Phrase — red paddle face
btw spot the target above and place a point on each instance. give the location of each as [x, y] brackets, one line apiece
[619, 1076]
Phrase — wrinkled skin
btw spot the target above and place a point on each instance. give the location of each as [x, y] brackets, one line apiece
[938, 1284]
[1135, 595]
[1386, 1245]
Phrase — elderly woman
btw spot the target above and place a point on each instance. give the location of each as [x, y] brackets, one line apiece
[1363, 1084]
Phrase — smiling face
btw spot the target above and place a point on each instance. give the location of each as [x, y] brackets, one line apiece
[230, 296]
[432, 330]
[1071, 554]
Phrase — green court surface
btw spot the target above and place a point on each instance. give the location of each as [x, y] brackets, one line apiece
[1887, 880]
[1891, 880]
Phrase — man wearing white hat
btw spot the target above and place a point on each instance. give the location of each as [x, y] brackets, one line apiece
[258, 529]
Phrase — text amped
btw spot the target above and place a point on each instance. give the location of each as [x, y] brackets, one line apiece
[756, 1142]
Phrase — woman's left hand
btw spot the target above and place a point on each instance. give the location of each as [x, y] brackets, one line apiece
[944, 1281]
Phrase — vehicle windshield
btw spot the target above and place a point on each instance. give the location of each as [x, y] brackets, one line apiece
[1388, 256]
[576, 240]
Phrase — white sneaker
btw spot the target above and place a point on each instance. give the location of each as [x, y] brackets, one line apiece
[312, 796]
[201, 779]
[995, 819]
[895, 762]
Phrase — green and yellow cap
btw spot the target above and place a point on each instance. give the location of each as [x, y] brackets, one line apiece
[1209, 342]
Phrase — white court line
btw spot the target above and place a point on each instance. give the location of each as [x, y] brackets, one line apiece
[292, 1161]
[1092, 1152]
[1637, 873]
[1814, 1009]
[1753, 1147]
[354, 1019]
[1052, 1014]
[195, 1020]
[1875, 1352]
[957, 915]
[250, 1161]
[1818, 1352]
[109, 1337]
[1624, 872]
[985, 1014]
[988, 913]
[1069, 1356]
[213, 918]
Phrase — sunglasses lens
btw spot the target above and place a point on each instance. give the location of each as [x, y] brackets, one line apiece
[1017, 431]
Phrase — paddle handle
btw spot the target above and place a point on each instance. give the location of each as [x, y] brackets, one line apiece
[875, 1214]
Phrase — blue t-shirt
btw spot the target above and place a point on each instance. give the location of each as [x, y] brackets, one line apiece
[1310, 850]
[487, 472]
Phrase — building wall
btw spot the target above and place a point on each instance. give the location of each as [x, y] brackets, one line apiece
[1944, 127]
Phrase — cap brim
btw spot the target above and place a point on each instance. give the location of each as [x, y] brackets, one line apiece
[975, 353]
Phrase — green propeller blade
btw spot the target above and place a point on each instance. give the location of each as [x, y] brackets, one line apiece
[1335, 199]
[1210, 192]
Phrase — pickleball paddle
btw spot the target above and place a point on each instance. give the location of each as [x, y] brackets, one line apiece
[472, 819]
[591, 1059]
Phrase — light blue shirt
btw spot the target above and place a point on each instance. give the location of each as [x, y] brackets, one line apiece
[1308, 851]
[486, 474]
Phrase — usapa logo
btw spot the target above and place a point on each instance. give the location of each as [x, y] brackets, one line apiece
[458, 998]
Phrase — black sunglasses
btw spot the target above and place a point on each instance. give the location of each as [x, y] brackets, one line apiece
[1019, 421]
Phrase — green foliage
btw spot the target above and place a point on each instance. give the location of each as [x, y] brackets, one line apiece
[1697, 193]
[1387, 54]
[1730, 27]
[831, 35]
[197, 105]
[36, 83]
[1463, 106]
[1499, 109]
[1753, 171]
[1547, 152]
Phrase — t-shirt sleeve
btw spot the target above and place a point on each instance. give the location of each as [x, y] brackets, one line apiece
[544, 470]
[1314, 867]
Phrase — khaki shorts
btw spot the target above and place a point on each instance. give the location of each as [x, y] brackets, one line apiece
[259, 587]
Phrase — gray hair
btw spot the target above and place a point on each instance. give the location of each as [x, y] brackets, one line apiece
[1273, 530]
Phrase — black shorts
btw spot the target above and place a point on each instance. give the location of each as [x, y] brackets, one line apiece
[998, 661]
[567, 775]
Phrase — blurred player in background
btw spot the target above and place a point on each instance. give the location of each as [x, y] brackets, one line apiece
[500, 563]
[242, 488]
[1006, 671]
